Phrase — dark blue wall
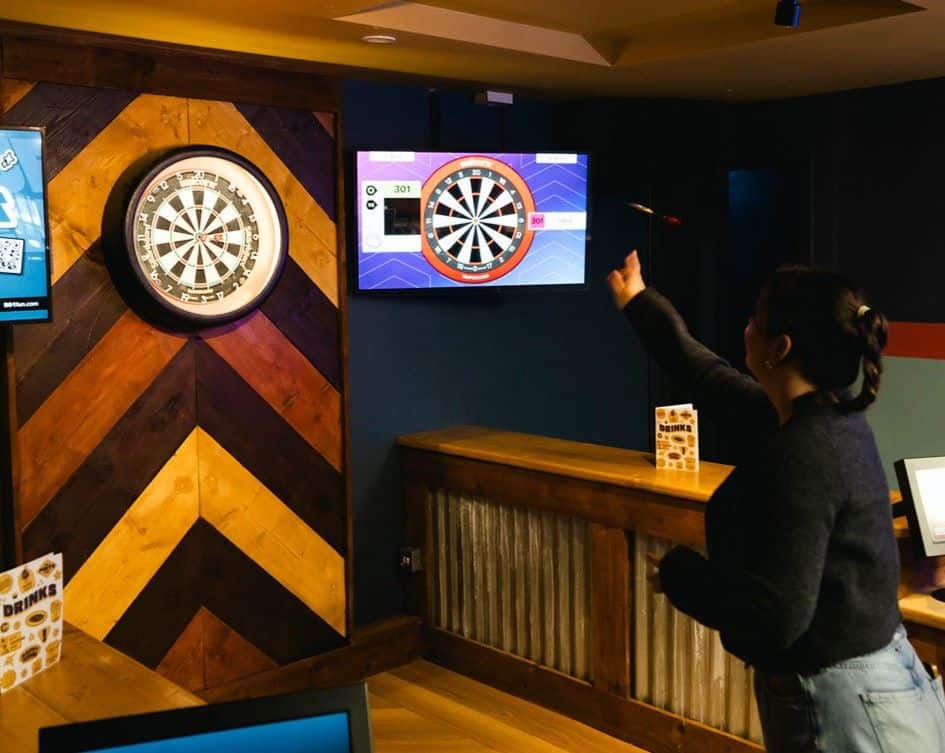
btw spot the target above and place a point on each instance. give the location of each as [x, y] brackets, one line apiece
[562, 364]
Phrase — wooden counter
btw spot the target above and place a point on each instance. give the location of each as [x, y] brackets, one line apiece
[590, 462]
[91, 681]
[533, 548]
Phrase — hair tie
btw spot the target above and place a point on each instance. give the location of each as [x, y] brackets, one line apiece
[861, 312]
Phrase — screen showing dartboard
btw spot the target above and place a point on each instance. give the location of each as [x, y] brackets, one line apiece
[448, 220]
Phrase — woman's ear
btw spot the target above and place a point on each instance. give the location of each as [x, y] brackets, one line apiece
[781, 348]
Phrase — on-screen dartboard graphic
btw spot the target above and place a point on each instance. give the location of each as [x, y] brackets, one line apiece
[475, 219]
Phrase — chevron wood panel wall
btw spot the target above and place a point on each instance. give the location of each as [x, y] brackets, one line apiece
[193, 482]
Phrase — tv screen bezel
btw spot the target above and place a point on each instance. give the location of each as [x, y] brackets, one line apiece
[352, 233]
[915, 505]
[174, 724]
[45, 179]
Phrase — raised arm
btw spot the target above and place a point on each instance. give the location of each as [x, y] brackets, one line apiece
[733, 400]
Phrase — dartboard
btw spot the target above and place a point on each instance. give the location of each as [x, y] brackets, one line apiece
[206, 235]
[475, 219]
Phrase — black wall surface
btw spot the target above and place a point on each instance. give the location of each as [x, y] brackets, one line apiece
[876, 159]
[849, 181]
[563, 363]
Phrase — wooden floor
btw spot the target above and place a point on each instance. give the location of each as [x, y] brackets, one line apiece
[423, 708]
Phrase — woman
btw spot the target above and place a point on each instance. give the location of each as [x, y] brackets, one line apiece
[802, 568]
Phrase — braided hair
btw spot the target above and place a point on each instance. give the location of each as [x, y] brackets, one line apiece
[833, 333]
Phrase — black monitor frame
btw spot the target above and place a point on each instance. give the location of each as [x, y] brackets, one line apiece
[352, 234]
[197, 720]
[915, 505]
[49, 302]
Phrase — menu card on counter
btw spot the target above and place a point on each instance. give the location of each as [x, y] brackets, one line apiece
[677, 437]
[30, 619]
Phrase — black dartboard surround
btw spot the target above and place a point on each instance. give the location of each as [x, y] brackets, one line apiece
[206, 236]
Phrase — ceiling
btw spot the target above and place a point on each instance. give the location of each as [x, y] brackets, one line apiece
[701, 49]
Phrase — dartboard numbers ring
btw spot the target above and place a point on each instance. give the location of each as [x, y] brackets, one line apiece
[475, 219]
[206, 235]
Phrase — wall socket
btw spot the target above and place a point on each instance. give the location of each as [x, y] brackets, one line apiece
[410, 560]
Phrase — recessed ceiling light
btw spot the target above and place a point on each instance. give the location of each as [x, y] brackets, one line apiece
[379, 38]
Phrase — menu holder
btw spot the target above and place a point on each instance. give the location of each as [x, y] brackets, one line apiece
[677, 437]
[30, 619]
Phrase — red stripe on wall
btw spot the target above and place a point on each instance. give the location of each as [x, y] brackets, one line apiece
[916, 340]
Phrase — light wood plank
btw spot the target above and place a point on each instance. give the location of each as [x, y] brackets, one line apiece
[546, 725]
[13, 91]
[285, 378]
[77, 195]
[94, 681]
[21, 715]
[262, 527]
[400, 730]
[134, 550]
[486, 730]
[76, 417]
[312, 235]
[627, 468]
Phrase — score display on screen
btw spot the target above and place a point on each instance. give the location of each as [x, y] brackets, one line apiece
[453, 220]
[24, 253]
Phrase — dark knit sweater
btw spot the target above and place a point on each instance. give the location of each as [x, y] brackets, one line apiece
[802, 568]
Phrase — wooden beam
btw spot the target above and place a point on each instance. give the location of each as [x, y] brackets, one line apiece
[58, 56]
[658, 515]
[654, 729]
[309, 68]
[610, 614]
[378, 648]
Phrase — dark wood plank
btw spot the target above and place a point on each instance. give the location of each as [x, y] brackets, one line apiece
[207, 570]
[259, 608]
[268, 447]
[72, 116]
[654, 729]
[43, 54]
[614, 506]
[305, 315]
[341, 267]
[378, 648]
[228, 656]
[302, 144]
[163, 610]
[86, 305]
[184, 663]
[11, 544]
[95, 497]
[418, 534]
[610, 618]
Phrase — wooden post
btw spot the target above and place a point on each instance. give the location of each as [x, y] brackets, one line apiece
[610, 609]
[11, 551]
[418, 533]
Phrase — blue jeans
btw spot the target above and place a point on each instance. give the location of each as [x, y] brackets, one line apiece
[884, 702]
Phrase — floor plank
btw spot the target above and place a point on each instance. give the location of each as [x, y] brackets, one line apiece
[532, 719]
[446, 705]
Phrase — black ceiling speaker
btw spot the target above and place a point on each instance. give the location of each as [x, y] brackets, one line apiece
[787, 13]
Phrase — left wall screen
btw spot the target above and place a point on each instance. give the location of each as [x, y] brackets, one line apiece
[24, 251]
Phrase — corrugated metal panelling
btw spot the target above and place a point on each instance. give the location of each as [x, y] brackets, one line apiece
[680, 665]
[513, 578]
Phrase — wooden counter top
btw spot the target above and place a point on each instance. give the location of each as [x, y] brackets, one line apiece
[611, 465]
[91, 681]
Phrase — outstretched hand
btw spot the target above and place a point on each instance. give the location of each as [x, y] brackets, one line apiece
[654, 576]
[627, 282]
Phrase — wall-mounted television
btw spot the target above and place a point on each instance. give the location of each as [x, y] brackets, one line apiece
[449, 220]
[24, 234]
